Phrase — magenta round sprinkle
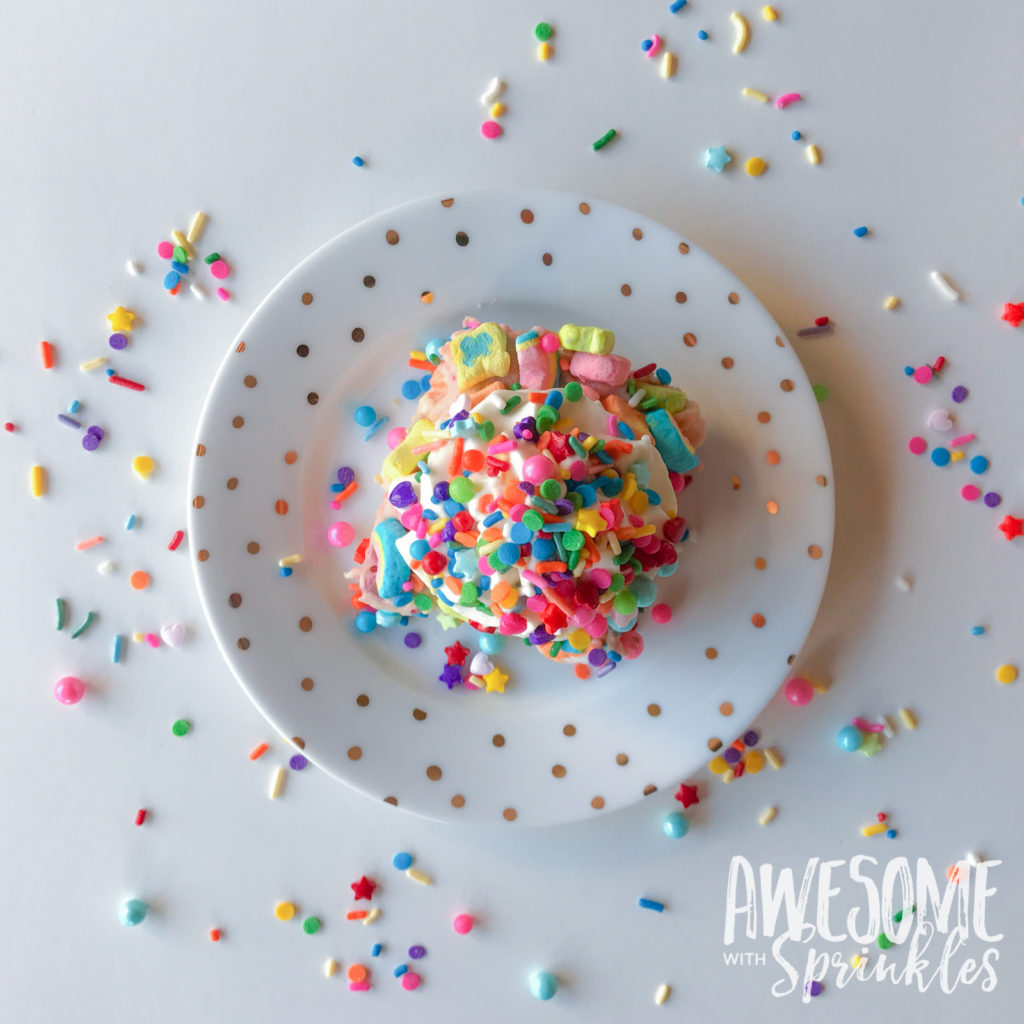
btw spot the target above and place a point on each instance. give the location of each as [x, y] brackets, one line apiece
[917, 445]
[490, 129]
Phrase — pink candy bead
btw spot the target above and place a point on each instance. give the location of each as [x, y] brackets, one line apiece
[632, 644]
[463, 924]
[969, 492]
[219, 269]
[549, 342]
[396, 435]
[917, 445]
[165, 250]
[410, 981]
[678, 481]
[661, 613]
[578, 470]
[490, 129]
[799, 691]
[601, 578]
[597, 627]
[923, 374]
[340, 534]
[223, 294]
[69, 690]
[537, 469]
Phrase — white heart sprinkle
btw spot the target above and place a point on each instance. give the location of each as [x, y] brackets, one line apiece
[940, 420]
[481, 664]
[174, 635]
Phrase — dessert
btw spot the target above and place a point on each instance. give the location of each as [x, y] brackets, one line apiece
[534, 494]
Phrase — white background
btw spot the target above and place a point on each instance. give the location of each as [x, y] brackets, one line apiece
[119, 119]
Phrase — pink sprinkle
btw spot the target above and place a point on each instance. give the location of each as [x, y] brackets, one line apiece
[396, 435]
[962, 439]
[421, 529]
[410, 981]
[661, 613]
[470, 323]
[655, 45]
[612, 423]
[503, 446]
[784, 101]
[602, 578]
[917, 445]
[165, 250]
[923, 374]
[490, 129]
[969, 492]
[360, 986]
[866, 726]
[550, 342]
[678, 481]
[153, 640]
[223, 294]
[219, 269]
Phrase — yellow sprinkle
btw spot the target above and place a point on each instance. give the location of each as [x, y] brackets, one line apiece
[143, 466]
[197, 227]
[37, 481]
[772, 757]
[718, 765]
[544, 51]
[418, 876]
[645, 531]
[956, 456]
[755, 94]
[331, 967]
[669, 63]
[664, 991]
[92, 364]
[769, 13]
[873, 830]
[372, 916]
[284, 911]
[813, 154]
[908, 717]
[290, 560]
[492, 546]
[742, 32]
[728, 775]
[855, 960]
[416, 354]
[755, 166]
[891, 303]
[497, 110]
[819, 687]
[766, 815]
[1006, 673]
[138, 637]
[180, 239]
[276, 783]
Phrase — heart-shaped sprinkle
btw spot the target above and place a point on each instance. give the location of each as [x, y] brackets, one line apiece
[175, 634]
[480, 665]
[940, 420]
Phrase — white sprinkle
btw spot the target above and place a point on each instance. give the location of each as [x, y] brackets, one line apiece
[767, 815]
[277, 783]
[942, 284]
[419, 876]
[664, 991]
[134, 268]
[106, 568]
[372, 916]
[973, 859]
[890, 727]
[197, 290]
[331, 967]
[773, 758]
[905, 583]
[495, 89]
[638, 397]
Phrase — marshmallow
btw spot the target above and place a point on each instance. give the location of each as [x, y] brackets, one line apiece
[479, 354]
[538, 369]
[594, 340]
[392, 568]
[608, 370]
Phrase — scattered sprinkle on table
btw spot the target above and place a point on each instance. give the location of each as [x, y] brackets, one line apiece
[755, 94]
[1006, 673]
[755, 166]
[181, 727]
[650, 904]
[604, 140]
[742, 30]
[661, 994]
[38, 482]
[311, 925]
[943, 286]
[284, 911]
[716, 158]
[543, 985]
[860, 232]
[86, 623]
[277, 783]
[767, 815]
[813, 154]
[419, 876]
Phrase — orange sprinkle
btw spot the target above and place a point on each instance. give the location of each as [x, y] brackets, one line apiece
[355, 915]
[139, 580]
[500, 590]
[536, 396]
[348, 492]
[258, 751]
[357, 972]
[453, 584]
[543, 441]
[550, 567]
[582, 672]
[492, 533]
[82, 545]
[215, 935]
[421, 364]
[467, 540]
[48, 353]
[473, 460]
[739, 745]
[175, 289]
[456, 464]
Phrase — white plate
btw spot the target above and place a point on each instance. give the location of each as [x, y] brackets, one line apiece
[278, 423]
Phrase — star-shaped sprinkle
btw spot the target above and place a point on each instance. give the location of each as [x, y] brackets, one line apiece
[447, 621]
[495, 680]
[872, 744]
[1011, 527]
[451, 676]
[715, 159]
[465, 562]
[687, 795]
[1013, 313]
[590, 521]
[121, 319]
[456, 654]
[364, 888]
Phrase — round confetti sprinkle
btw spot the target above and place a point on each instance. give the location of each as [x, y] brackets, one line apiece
[365, 416]
[139, 580]
[417, 952]
[165, 250]
[702, 35]
[860, 232]
[969, 492]
[402, 861]
[959, 393]
[796, 136]
[993, 500]
[346, 475]
[940, 456]
[311, 925]
[411, 389]
[284, 911]
[490, 129]
[358, 161]
[297, 762]
[117, 341]
[923, 374]
[410, 981]
[543, 31]
[978, 464]
[1006, 673]
[219, 269]
[755, 166]
[90, 442]
[413, 640]
[463, 924]
[675, 825]
[366, 622]
[917, 445]
[820, 392]
[180, 727]
[661, 613]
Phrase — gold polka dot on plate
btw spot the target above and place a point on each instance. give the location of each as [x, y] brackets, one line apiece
[772, 457]
[758, 620]
[772, 507]
[814, 551]
[200, 450]
[821, 481]
[419, 714]
[358, 334]
[526, 216]
[638, 233]
[622, 759]
[680, 297]
[547, 259]
[654, 710]
[312, 398]
[307, 298]
[461, 238]
[689, 339]
[736, 484]
[597, 803]
[291, 458]
[393, 800]
[238, 422]
[684, 248]
[307, 684]
[433, 772]
[728, 362]
[202, 555]
[760, 563]
[498, 740]
[714, 743]
[779, 342]
[249, 380]
[362, 700]
[786, 385]
[299, 742]
[650, 788]
[733, 298]
[447, 203]
[281, 507]
[198, 501]
[243, 643]
[569, 730]
[302, 351]
[458, 801]
[626, 290]
[558, 770]
[369, 281]
[253, 547]
[305, 623]
[725, 708]
[354, 753]
[710, 653]
[509, 814]
[235, 600]
[391, 236]
[231, 483]
[584, 208]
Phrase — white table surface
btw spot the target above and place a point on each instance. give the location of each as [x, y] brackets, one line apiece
[119, 119]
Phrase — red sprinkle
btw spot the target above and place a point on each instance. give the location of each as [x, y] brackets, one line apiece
[176, 540]
[939, 364]
[215, 935]
[49, 354]
[821, 321]
[644, 370]
[132, 385]
[10, 428]
[140, 816]
[258, 751]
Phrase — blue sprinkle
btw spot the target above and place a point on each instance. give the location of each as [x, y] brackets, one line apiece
[377, 947]
[615, 656]
[419, 548]
[650, 904]
[891, 833]
[181, 268]
[129, 523]
[358, 161]
[115, 653]
[908, 370]
[495, 517]
[702, 34]
[625, 430]
[400, 970]
[664, 377]
[977, 630]
[425, 382]
[646, 45]
[509, 553]
[366, 622]
[410, 389]
[365, 415]
[796, 136]
[978, 464]
[520, 533]
[74, 406]
[373, 430]
[286, 570]
[860, 232]
[171, 279]
[554, 399]
[676, 6]
[940, 456]
[69, 421]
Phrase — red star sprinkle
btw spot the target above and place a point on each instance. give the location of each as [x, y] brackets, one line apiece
[364, 888]
[1012, 527]
[1013, 313]
[457, 654]
[687, 795]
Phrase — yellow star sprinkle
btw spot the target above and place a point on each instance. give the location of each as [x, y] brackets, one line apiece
[121, 319]
[589, 520]
[495, 680]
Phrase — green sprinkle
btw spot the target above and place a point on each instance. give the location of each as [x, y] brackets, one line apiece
[179, 254]
[486, 430]
[820, 392]
[510, 404]
[625, 602]
[62, 613]
[573, 540]
[577, 447]
[884, 942]
[577, 500]
[605, 139]
[534, 520]
[311, 925]
[212, 258]
[618, 582]
[181, 727]
[557, 538]
[515, 387]
[422, 602]
[573, 391]
[649, 403]
[631, 386]
[556, 649]
[84, 626]
[546, 418]
[543, 31]
[461, 490]
[469, 595]
[573, 560]
[634, 564]
[496, 563]
[550, 489]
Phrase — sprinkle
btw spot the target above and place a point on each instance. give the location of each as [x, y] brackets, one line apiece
[49, 354]
[1006, 673]
[197, 227]
[123, 382]
[904, 583]
[92, 364]
[197, 290]
[755, 166]
[891, 303]
[87, 622]
[129, 523]
[809, 332]
[38, 481]
[650, 904]
[290, 560]
[84, 545]
[376, 949]
[676, 6]
[116, 648]
[873, 830]
[371, 915]
[908, 718]
[543, 31]
[181, 727]
[214, 935]
[860, 232]
[331, 967]
[355, 915]
[495, 88]
[769, 13]
[140, 816]
[772, 757]
[133, 268]
[813, 154]
[663, 991]
[961, 440]
[943, 286]
[786, 99]
[106, 568]
[742, 32]
[604, 140]
[223, 294]
[669, 64]
[767, 815]
[277, 783]
[375, 428]
[755, 94]
[419, 876]
[545, 51]
[975, 630]
[258, 751]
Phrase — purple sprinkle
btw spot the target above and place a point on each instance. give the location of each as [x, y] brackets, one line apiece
[118, 341]
[69, 421]
[450, 675]
[608, 666]
[297, 762]
[526, 488]
[814, 988]
[959, 393]
[540, 636]
[732, 755]
[808, 332]
[597, 657]
[440, 492]
[448, 532]
[96, 432]
[416, 952]
[750, 738]
[413, 640]
[563, 505]
[992, 499]
[90, 442]
[346, 475]
[402, 495]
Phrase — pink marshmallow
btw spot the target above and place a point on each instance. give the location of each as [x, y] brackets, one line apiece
[610, 370]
